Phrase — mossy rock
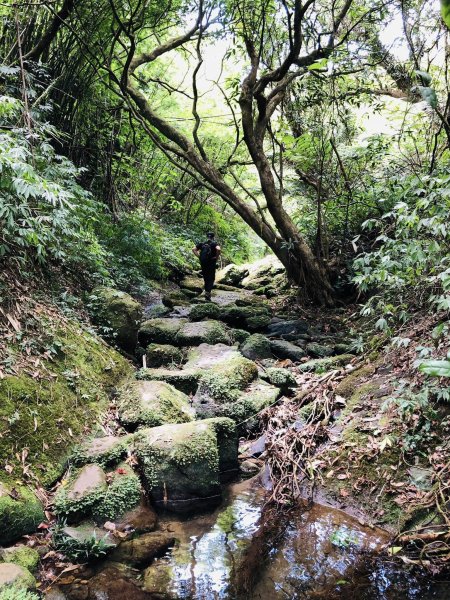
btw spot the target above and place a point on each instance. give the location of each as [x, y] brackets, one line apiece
[162, 355]
[141, 550]
[281, 378]
[12, 592]
[223, 381]
[156, 311]
[257, 346]
[258, 322]
[319, 350]
[231, 275]
[103, 451]
[352, 381]
[123, 494]
[246, 317]
[181, 464]
[160, 331]
[83, 492]
[243, 409]
[239, 335]
[175, 298]
[203, 332]
[152, 403]
[194, 284]
[209, 310]
[21, 555]
[184, 379]
[49, 415]
[283, 349]
[111, 308]
[322, 365]
[20, 513]
[15, 576]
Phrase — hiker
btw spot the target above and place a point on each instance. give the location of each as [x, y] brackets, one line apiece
[208, 253]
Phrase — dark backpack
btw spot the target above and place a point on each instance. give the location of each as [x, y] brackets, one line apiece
[208, 253]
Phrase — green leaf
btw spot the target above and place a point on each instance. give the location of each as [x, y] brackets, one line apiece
[318, 65]
[445, 12]
[435, 368]
[425, 77]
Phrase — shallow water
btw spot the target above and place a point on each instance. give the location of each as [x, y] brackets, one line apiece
[322, 553]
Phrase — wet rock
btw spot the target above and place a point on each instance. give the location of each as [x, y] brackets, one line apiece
[204, 332]
[326, 364]
[181, 464]
[256, 448]
[143, 549]
[232, 275]
[141, 519]
[319, 350]
[256, 346]
[119, 311]
[162, 355]
[20, 512]
[112, 584]
[282, 378]
[283, 349]
[208, 310]
[296, 326]
[160, 331]
[250, 467]
[195, 284]
[12, 574]
[157, 580]
[102, 451]
[152, 403]
[21, 555]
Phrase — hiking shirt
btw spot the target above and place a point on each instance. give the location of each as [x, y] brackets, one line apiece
[208, 252]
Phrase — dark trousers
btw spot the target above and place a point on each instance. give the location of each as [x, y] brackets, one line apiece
[209, 275]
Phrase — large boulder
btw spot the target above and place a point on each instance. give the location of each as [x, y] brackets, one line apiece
[262, 273]
[160, 331]
[282, 328]
[20, 512]
[152, 403]
[181, 464]
[163, 355]
[255, 347]
[231, 275]
[117, 311]
[253, 318]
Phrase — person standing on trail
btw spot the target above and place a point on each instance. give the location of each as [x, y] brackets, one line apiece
[208, 253]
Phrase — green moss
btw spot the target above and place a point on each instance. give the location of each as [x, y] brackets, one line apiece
[74, 506]
[47, 416]
[321, 365]
[19, 515]
[208, 310]
[258, 322]
[282, 378]
[257, 346]
[17, 593]
[239, 335]
[204, 332]
[184, 380]
[118, 311]
[350, 382]
[224, 381]
[160, 355]
[21, 555]
[88, 452]
[152, 403]
[123, 494]
[160, 331]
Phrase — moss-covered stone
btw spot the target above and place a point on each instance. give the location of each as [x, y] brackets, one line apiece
[12, 575]
[185, 380]
[239, 335]
[203, 332]
[142, 550]
[81, 494]
[152, 403]
[350, 383]
[209, 310]
[282, 378]
[123, 494]
[103, 451]
[181, 464]
[321, 365]
[175, 298]
[319, 350]
[252, 318]
[160, 331]
[49, 415]
[20, 512]
[223, 381]
[118, 311]
[21, 555]
[232, 275]
[194, 284]
[283, 349]
[257, 346]
[162, 355]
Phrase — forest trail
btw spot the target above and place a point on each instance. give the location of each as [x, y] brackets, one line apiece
[204, 384]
